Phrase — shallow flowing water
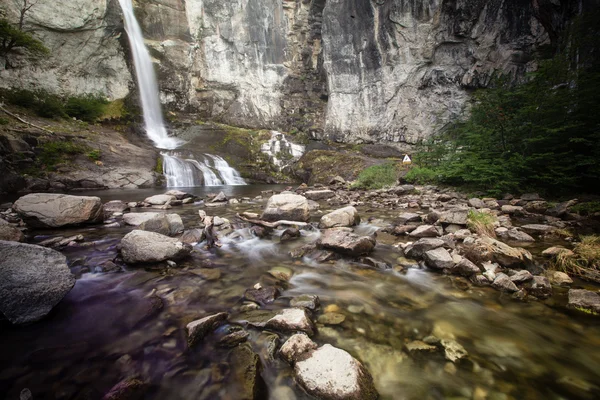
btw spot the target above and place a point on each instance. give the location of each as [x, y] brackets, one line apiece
[117, 325]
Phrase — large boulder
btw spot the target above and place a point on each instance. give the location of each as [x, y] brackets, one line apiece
[333, 374]
[33, 279]
[159, 199]
[454, 217]
[348, 243]
[165, 224]
[344, 217]
[439, 258]
[493, 250]
[136, 219]
[150, 247]
[584, 300]
[291, 207]
[48, 210]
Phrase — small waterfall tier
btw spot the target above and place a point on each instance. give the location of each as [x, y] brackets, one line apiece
[186, 170]
[147, 83]
[281, 151]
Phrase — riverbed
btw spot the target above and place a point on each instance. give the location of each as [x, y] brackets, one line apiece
[117, 325]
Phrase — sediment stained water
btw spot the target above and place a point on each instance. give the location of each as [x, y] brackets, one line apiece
[117, 325]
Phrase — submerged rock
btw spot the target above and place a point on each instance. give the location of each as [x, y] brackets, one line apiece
[246, 379]
[333, 374]
[291, 207]
[584, 300]
[128, 389]
[453, 350]
[347, 243]
[291, 319]
[33, 279]
[309, 301]
[150, 247]
[344, 217]
[197, 330]
[296, 346]
[46, 210]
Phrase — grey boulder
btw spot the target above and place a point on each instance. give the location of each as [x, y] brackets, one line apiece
[348, 243]
[344, 217]
[150, 247]
[48, 210]
[291, 207]
[33, 279]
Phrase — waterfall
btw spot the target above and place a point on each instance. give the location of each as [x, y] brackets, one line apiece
[146, 79]
[279, 149]
[229, 175]
[186, 171]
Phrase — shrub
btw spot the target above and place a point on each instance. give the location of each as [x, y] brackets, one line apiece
[420, 176]
[54, 153]
[481, 223]
[377, 176]
[95, 155]
[587, 208]
[86, 108]
[21, 98]
[49, 105]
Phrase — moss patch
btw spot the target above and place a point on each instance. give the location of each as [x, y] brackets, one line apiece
[319, 166]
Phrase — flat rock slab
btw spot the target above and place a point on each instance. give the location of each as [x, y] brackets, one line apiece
[290, 320]
[347, 243]
[426, 231]
[319, 194]
[159, 199]
[150, 247]
[538, 229]
[333, 374]
[455, 217]
[291, 207]
[33, 279]
[136, 219]
[584, 300]
[47, 210]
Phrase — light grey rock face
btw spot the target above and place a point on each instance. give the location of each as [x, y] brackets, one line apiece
[149, 247]
[86, 55]
[345, 242]
[46, 210]
[291, 207]
[33, 279]
[344, 217]
[439, 258]
[333, 374]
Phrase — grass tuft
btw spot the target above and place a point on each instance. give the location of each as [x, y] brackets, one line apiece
[585, 256]
[482, 223]
[377, 176]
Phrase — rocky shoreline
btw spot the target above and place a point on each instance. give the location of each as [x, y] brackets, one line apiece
[431, 229]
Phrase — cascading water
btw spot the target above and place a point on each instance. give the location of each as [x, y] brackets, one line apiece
[146, 78]
[180, 172]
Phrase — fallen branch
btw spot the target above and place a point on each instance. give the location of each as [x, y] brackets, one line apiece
[23, 121]
[271, 224]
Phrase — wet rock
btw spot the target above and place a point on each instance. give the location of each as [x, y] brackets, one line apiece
[426, 231]
[505, 255]
[289, 234]
[159, 199]
[514, 234]
[313, 205]
[33, 280]
[453, 350]
[538, 229]
[136, 219]
[309, 301]
[233, 339]
[175, 224]
[403, 230]
[11, 234]
[439, 258]
[197, 330]
[296, 346]
[115, 206]
[344, 217]
[26, 394]
[421, 246]
[408, 217]
[540, 287]
[537, 207]
[128, 389]
[192, 236]
[209, 274]
[584, 300]
[562, 209]
[179, 195]
[556, 250]
[46, 210]
[416, 346]
[290, 320]
[219, 198]
[372, 262]
[479, 280]
[347, 243]
[521, 276]
[559, 278]
[503, 283]
[317, 195]
[262, 295]
[291, 207]
[245, 373]
[158, 224]
[332, 374]
[150, 247]
[466, 268]
[454, 217]
[331, 318]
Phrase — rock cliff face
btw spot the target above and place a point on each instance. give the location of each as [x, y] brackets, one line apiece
[364, 71]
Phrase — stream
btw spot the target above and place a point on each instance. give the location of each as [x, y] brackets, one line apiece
[116, 325]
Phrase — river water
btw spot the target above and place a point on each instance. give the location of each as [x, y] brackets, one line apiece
[117, 325]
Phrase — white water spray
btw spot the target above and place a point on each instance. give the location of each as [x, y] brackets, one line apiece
[146, 78]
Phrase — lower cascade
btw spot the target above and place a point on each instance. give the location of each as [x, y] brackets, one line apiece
[210, 170]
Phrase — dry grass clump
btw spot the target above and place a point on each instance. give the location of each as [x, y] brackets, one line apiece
[585, 256]
[482, 223]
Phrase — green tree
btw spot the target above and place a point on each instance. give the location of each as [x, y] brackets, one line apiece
[15, 36]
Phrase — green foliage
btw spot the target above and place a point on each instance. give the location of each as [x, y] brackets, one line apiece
[543, 135]
[86, 108]
[377, 176]
[58, 152]
[481, 223]
[95, 155]
[587, 208]
[49, 105]
[4, 121]
[12, 37]
[159, 166]
[420, 176]
[585, 256]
